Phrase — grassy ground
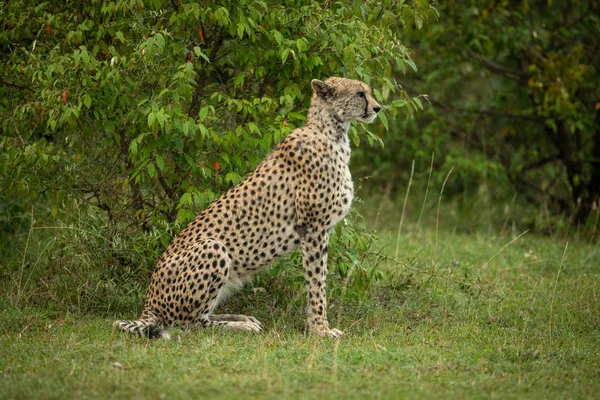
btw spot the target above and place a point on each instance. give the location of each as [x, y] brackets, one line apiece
[463, 315]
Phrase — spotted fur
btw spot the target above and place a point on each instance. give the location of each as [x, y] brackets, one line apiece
[292, 199]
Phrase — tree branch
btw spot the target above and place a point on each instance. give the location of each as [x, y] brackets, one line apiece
[14, 85]
[500, 69]
[539, 163]
[489, 113]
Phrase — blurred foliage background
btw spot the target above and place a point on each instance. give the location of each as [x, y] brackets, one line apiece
[513, 89]
[121, 120]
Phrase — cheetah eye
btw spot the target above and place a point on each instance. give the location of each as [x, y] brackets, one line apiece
[361, 94]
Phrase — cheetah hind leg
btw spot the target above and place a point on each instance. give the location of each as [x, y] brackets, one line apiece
[218, 268]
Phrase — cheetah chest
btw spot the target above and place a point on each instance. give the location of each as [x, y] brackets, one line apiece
[335, 190]
[343, 193]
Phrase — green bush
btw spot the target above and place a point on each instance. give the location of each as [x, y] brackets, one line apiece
[122, 119]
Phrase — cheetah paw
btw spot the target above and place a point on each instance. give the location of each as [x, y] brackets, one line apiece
[246, 326]
[332, 333]
[254, 321]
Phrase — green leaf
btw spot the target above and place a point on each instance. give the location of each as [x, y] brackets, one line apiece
[161, 118]
[133, 147]
[160, 162]
[202, 114]
[296, 115]
[384, 120]
[109, 126]
[160, 41]
[278, 37]
[418, 20]
[151, 170]
[119, 35]
[199, 53]
[84, 54]
[87, 100]
[222, 16]
[354, 136]
[239, 79]
[151, 119]
[284, 55]
[233, 177]
[179, 143]
[417, 101]
[411, 63]
[185, 200]
[225, 157]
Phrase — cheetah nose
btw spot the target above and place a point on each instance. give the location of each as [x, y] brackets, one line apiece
[376, 109]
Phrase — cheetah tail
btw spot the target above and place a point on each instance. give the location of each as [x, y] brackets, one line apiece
[150, 328]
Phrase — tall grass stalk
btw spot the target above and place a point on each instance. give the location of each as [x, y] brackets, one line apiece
[437, 218]
[412, 172]
[425, 199]
[562, 261]
[595, 226]
[24, 257]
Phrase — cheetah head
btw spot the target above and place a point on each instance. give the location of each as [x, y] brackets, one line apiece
[349, 99]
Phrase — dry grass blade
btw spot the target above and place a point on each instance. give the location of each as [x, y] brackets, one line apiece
[19, 288]
[562, 261]
[412, 172]
[437, 218]
[485, 264]
[425, 198]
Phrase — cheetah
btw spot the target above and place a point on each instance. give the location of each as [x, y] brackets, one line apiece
[293, 199]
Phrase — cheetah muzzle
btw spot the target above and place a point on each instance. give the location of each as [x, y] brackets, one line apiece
[293, 199]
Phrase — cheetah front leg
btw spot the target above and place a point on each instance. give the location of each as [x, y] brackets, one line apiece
[314, 262]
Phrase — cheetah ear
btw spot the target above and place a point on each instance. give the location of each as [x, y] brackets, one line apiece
[322, 89]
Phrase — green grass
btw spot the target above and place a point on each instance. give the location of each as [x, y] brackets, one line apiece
[452, 321]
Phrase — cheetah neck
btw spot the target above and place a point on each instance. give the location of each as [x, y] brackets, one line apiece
[327, 122]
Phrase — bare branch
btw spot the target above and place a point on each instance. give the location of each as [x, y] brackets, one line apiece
[500, 69]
